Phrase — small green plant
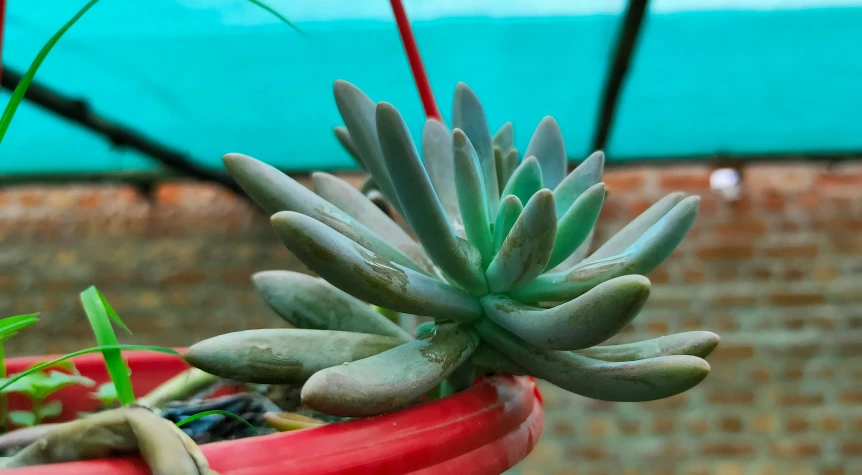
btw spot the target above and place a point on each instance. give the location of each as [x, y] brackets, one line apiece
[502, 265]
[37, 386]
[9, 327]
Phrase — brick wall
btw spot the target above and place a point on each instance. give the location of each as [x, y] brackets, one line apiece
[776, 274]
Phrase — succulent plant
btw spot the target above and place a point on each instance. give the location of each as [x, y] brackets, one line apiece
[499, 261]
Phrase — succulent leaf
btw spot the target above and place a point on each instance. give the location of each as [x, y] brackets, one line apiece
[641, 257]
[358, 112]
[359, 207]
[504, 138]
[525, 181]
[633, 231]
[696, 343]
[549, 149]
[312, 303]
[510, 210]
[284, 355]
[583, 322]
[471, 197]
[274, 191]
[579, 254]
[425, 329]
[640, 380]
[369, 276]
[489, 359]
[574, 227]
[343, 137]
[525, 252]
[469, 116]
[438, 159]
[584, 176]
[391, 379]
[422, 209]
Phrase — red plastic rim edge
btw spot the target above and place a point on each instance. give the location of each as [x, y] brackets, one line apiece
[483, 430]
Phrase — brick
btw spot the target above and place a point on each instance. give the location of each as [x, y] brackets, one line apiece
[800, 399]
[731, 397]
[659, 276]
[796, 424]
[629, 427]
[727, 351]
[730, 424]
[729, 468]
[657, 328]
[727, 449]
[763, 423]
[663, 425]
[598, 427]
[586, 452]
[692, 276]
[745, 227]
[726, 252]
[698, 426]
[830, 424]
[760, 375]
[795, 449]
[773, 201]
[735, 300]
[685, 180]
[623, 180]
[796, 299]
[792, 251]
[852, 448]
[185, 277]
[563, 428]
[851, 396]
[833, 470]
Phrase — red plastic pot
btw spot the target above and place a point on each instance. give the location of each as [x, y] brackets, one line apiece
[483, 430]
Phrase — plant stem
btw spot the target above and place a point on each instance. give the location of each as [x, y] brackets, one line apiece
[37, 408]
[420, 76]
[4, 401]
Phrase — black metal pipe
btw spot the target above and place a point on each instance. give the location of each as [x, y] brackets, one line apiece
[79, 112]
[626, 42]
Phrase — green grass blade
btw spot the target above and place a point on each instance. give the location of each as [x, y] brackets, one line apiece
[18, 93]
[95, 349]
[220, 413]
[112, 314]
[277, 15]
[13, 324]
[100, 320]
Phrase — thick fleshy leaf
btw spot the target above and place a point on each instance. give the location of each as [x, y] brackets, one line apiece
[548, 147]
[525, 252]
[369, 276]
[343, 137]
[455, 257]
[510, 159]
[504, 138]
[579, 254]
[641, 380]
[358, 112]
[502, 176]
[525, 181]
[640, 258]
[425, 329]
[392, 379]
[313, 303]
[282, 355]
[356, 205]
[580, 323]
[164, 447]
[274, 191]
[489, 359]
[584, 176]
[510, 210]
[574, 227]
[633, 231]
[471, 197]
[469, 116]
[437, 154]
[696, 343]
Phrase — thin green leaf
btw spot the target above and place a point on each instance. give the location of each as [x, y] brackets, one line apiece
[18, 93]
[277, 15]
[100, 321]
[40, 385]
[95, 349]
[217, 413]
[112, 314]
[107, 393]
[13, 324]
[52, 409]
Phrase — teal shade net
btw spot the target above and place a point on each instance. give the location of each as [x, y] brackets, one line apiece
[208, 77]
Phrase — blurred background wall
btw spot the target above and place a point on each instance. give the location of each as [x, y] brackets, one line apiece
[776, 274]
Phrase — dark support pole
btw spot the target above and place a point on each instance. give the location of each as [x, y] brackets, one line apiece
[79, 112]
[616, 76]
[2, 28]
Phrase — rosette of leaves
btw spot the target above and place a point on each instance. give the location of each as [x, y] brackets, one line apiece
[499, 261]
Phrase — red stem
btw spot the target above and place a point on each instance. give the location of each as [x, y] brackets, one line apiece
[415, 59]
